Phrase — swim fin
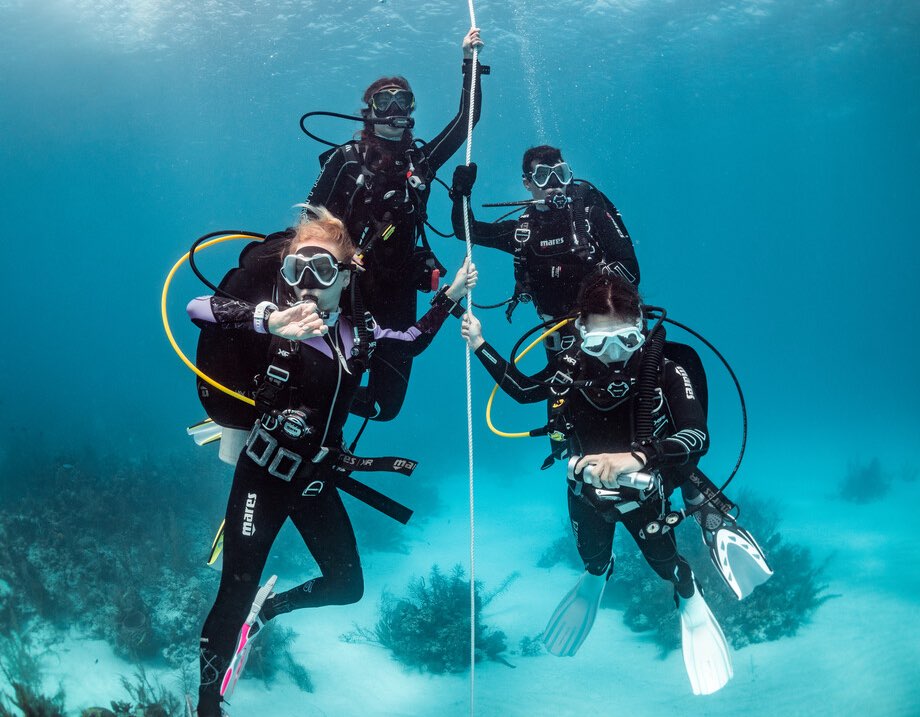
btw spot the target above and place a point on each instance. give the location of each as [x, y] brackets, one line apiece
[572, 621]
[252, 627]
[217, 546]
[706, 656]
[204, 432]
[735, 554]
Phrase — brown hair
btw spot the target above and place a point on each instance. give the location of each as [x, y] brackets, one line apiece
[604, 293]
[318, 224]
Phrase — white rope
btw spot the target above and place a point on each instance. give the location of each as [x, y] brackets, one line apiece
[469, 387]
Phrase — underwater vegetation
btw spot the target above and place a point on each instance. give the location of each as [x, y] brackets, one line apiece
[271, 655]
[774, 610]
[429, 628]
[22, 669]
[106, 544]
[20, 664]
[868, 482]
[114, 547]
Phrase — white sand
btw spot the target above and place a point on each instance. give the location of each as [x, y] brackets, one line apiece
[860, 656]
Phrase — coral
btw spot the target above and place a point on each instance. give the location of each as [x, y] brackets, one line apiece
[865, 483]
[562, 550]
[530, 646]
[150, 699]
[776, 609]
[430, 628]
[22, 669]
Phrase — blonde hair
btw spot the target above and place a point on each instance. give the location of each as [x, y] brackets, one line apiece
[319, 224]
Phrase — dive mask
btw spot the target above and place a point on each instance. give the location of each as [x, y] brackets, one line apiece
[542, 173]
[312, 268]
[392, 101]
[616, 345]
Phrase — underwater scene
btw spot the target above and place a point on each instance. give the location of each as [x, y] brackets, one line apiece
[756, 159]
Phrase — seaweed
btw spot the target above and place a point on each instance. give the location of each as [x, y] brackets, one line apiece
[21, 667]
[776, 609]
[136, 576]
[271, 655]
[429, 629]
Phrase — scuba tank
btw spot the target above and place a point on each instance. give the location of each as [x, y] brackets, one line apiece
[236, 357]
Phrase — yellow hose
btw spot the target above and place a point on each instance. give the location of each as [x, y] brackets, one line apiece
[523, 434]
[169, 334]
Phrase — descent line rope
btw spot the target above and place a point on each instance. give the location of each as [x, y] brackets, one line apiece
[469, 388]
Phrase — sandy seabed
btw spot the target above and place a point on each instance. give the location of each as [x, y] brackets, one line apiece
[859, 655]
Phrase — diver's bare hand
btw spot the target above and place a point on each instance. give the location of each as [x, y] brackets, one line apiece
[472, 40]
[601, 469]
[464, 280]
[471, 331]
[299, 322]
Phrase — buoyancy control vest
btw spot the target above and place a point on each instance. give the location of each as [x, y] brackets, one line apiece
[238, 358]
[641, 387]
[555, 250]
[387, 198]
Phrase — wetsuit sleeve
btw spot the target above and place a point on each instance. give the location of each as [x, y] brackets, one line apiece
[494, 235]
[617, 251]
[523, 389]
[332, 187]
[449, 139]
[689, 440]
[417, 337]
[226, 313]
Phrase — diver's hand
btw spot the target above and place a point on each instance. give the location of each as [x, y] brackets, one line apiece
[601, 469]
[298, 322]
[464, 179]
[471, 331]
[472, 40]
[463, 282]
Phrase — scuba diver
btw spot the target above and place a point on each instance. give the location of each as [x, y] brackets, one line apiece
[635, 429]
[568, 231]
[379, 185]
[293, 460]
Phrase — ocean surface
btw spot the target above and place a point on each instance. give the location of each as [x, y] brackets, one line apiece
[764, 155]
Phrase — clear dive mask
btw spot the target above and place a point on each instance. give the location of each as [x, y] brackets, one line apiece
[542, 173]
[616, 344]
[312, 268]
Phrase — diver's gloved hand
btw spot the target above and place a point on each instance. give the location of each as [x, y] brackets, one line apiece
[464, 179]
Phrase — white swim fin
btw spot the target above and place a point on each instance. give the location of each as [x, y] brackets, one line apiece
[738, 558]
[706, 654]
[572, 621]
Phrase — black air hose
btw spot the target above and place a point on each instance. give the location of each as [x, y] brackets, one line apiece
[648, 383]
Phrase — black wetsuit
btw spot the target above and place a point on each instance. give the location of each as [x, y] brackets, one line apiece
[597, 421]
[555, 250]
[352, 188]
[262, 497]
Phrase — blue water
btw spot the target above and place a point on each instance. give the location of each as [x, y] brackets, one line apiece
[763, 155]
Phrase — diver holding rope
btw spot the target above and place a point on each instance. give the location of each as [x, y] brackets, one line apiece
[379, 185]
[635, 429]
